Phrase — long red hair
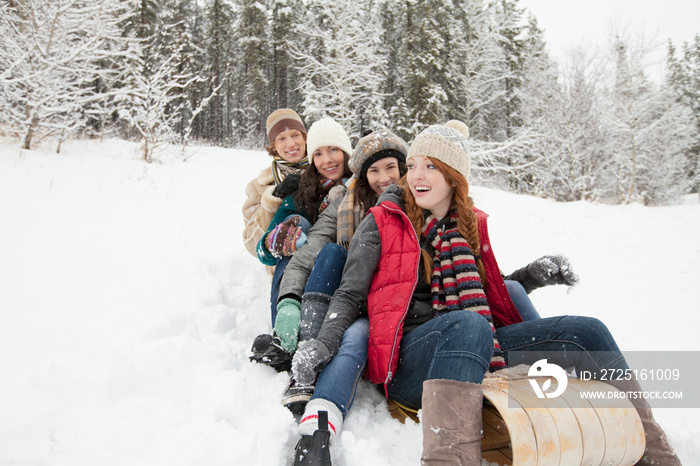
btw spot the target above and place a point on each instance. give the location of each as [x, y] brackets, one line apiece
[461, 203]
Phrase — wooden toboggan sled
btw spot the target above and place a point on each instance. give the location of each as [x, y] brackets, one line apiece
[521, 429]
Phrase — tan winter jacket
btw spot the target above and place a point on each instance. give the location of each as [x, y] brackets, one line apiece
[258, 209]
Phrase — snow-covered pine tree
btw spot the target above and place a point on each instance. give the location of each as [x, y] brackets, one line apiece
[684, 81]
[422, 67]
[53, 53]
[284, 36]
[578, 133]
[639, 119]
[253, 102]
[481, 72]
[218, 123]
[182, 15]
[341, 67]
[155, 80]
[663, 174]
[391, 16]
[507, 17]
[540, 102]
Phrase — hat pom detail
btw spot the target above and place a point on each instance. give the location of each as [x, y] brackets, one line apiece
[459, 126]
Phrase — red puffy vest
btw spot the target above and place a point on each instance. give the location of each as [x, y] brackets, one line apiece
[395, 280]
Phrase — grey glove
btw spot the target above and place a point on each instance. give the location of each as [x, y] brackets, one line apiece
[547, 270]
[310, 358]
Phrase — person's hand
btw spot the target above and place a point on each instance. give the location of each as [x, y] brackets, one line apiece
[287, 323]
[285, 238]
[289, 185]
[310, 358]
[552, 270]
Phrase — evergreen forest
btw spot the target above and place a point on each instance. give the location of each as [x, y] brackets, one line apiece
[594, 127]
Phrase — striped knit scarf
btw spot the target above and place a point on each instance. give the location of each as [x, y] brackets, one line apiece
[349, 215]
[327, 185]
[281, 168]
[455, 283]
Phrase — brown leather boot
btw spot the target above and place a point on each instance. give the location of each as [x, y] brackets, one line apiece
[451, 422]
[658, 450]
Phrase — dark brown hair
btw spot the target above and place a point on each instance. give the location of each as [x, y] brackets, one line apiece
[365, 195]
[310, 192]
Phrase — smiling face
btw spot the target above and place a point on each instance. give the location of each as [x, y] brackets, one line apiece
[330, 162]
[290, 144]
[429, 186]
[383, 173]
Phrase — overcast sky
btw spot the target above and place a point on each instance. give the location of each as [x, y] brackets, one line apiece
[568, 22]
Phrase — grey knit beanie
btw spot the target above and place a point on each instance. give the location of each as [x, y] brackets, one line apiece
[376, 146]
[327, 132]
[448, 143]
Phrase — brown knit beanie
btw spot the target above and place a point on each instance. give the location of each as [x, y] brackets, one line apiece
[448, 143]
[375, 146]
[283, 119]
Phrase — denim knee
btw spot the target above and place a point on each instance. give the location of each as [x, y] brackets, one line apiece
[465, 330]
[327, 270]
[356, 339]
[358, 330]
[588, 332]
[332, 251]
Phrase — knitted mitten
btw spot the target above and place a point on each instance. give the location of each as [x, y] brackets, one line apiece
[288, 186]
[287, 323]
[310, 358]
[285, 238]
[547, 270]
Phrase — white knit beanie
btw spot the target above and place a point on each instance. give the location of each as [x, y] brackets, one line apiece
[327, 132]
[448, 143]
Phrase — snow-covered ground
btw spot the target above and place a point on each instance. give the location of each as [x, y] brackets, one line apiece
[128, 305]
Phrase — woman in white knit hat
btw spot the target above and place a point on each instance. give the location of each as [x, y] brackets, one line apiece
[303, 199]
[315, 270]
[439, 312]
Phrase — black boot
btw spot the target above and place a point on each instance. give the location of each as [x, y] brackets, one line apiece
[314, 450]
[297, 396]
[267, 350]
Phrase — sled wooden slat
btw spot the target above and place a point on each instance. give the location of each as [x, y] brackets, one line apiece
[496, 456]
[523, 449]
[592, 434]
[624, 434]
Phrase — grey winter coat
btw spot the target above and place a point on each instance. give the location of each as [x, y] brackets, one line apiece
[350, 299]
[324, 231]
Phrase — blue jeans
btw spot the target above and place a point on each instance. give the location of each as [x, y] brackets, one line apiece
[579, 342]
[327, 270]
[337, 382]
[461, 351]
[456, 345]
[305, 226]
[521, 300]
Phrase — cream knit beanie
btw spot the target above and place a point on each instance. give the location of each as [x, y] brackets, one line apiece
[283, 119]
[448, 143]
[327, 132]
